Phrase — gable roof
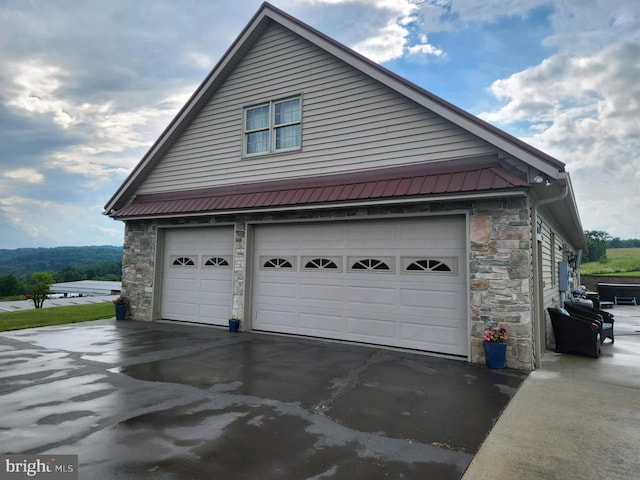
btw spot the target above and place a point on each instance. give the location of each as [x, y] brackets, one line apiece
[563, 206]
[265, 16]
[481, 175]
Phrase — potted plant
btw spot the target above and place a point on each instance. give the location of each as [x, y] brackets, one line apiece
[495, 347]
[234, 324]
[121, 303]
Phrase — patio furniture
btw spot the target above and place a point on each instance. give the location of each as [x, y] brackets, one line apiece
[575, 333]
[605, 319]
[625, 300]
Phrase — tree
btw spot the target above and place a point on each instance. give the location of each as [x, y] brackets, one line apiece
[597, 241]
[40, 287]
[10, 285]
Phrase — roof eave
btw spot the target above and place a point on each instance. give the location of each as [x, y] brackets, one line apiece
[512, 192]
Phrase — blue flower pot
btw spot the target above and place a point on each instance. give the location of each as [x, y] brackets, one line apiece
[495, 354]
[121, 312]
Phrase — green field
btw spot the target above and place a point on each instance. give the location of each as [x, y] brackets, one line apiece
[621, 262]
[55, 316]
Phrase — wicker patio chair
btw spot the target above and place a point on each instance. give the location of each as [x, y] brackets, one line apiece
[605, 318]
[575, 334]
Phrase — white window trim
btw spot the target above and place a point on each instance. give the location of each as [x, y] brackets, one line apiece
[271, 128]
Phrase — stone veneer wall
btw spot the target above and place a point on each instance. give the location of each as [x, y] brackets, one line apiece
[138, 265]
[500, 272]
[499, 265]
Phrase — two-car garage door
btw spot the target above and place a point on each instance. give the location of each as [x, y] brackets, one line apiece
[391, 282]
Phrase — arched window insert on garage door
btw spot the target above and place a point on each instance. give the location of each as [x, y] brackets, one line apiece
[217, 262]
[183, 261]
[277, 263]
[439, 265]
[322, 263]
[359, 264]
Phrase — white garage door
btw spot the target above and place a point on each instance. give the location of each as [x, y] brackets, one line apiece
[197, 275]
[389, 282]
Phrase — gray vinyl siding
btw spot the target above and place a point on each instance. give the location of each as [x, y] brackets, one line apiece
[349, 122]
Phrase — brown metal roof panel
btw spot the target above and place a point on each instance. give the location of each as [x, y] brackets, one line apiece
[347, 192]
[379, 188]
[287, 198]
[429, 185]
[367, 189]
[415, 185]
[470, 181]
[316, 194]
[307, 193]
[297, 196]
[456, 182]
[485, 180]
[442, 183]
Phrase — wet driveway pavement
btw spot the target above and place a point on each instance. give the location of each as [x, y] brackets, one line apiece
[167, 401]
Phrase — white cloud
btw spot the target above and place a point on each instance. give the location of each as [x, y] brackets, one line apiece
[47, 222]
[585, 111]
[26, 175]
[108, 139]
[388, 35]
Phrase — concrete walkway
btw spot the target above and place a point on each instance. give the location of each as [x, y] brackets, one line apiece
[575, 418]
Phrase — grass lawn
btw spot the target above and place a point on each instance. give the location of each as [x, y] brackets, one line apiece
[55, 316]
[621, 262]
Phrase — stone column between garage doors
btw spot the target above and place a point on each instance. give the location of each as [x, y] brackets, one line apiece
[239, 274]
[500, 269]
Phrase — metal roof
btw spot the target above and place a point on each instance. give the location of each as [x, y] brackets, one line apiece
[473, 175]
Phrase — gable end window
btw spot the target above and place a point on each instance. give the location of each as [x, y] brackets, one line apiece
[273, 127]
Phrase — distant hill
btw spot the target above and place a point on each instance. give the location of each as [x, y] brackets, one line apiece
[23, 262]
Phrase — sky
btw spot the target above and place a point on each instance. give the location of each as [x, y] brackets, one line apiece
[87, 86]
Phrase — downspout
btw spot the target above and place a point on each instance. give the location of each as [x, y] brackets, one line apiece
[539, 297]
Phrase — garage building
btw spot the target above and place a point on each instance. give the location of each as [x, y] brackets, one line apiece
[306, 190]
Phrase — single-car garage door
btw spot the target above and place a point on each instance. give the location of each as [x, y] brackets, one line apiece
[389, 282]
[197, 275]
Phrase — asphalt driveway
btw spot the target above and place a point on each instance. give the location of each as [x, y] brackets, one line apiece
[177, 401]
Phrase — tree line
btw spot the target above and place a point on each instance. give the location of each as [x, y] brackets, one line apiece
[18, 268]
[598, 241]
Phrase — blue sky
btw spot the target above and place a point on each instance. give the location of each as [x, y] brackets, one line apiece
[87, 87]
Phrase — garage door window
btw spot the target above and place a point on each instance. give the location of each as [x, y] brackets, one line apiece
[438, 265]
[333, 264]
[277, 263]
[183, 261]
[213, 262]
[358, 264]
